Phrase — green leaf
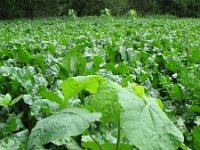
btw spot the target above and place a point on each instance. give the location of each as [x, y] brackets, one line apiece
[43, 107]
[17, 141]
[145, 125]
[70, 143]
[107, 146]
[5, 101]
[9, 126]
[197, 120]
[111, 146]
[195, 109]
[73, 145]
[52, 97]
[184, 147]
[139, 90]
[22, 55]
[160, 103]
[90, 145]
[17, 99]
[70, 61]
[106, 102]
[122, 69]
[74, 85]
[97, 61]
[67, 123]
[196, 137]
[74, 63]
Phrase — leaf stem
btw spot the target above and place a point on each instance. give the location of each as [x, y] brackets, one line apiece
[100, 148]
[119, 135]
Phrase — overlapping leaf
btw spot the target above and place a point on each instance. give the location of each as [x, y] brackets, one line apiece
[67, 123]
[74, 85]
[146, 125]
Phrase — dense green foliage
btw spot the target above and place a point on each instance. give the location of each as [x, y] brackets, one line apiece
[75, 83]
[43, 8]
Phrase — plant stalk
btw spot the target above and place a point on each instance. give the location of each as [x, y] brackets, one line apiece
[119, 135]
[100, 148]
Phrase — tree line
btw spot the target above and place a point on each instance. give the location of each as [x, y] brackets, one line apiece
[10, 9]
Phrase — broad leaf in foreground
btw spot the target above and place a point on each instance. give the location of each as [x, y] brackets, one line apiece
[146, 125]
[67, 123]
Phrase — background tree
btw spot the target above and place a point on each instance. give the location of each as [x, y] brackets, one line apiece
[10, 9]
[146, 6]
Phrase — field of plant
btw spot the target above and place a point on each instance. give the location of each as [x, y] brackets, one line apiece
[100, 83]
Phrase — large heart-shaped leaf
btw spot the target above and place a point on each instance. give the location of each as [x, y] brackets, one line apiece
[67, 123]
[146, 125]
